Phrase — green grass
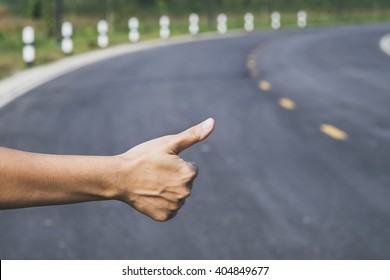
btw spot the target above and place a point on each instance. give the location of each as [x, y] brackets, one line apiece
[85, 35]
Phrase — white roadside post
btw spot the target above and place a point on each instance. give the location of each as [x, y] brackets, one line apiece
[67, 42]
[222, 23]
[134, 33]
[275, 20]
[302, 19]
[28, 36]
[102, 28]
[164, 27]
[249, 22]
[194, 24]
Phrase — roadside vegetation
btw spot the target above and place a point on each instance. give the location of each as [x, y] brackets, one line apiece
[84, 15]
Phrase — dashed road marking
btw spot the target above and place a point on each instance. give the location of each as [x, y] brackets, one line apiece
[333, 132]
[265, 85]
[287, 104]
[254, 72]
[251, 64]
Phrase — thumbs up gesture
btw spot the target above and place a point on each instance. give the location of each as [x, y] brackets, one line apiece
[152, 177]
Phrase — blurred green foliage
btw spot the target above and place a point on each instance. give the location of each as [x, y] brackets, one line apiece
[36, 9]
[84, 14]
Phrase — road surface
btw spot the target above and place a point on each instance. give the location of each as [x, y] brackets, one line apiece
[297, 168]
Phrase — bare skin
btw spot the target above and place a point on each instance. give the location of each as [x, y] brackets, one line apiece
[150, 177]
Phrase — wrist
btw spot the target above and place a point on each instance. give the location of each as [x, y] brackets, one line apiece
[125, 178]
[110, 179]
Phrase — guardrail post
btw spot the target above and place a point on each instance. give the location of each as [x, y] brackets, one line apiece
[67, 42]
[194, 24]
[28, 36]
[164, 27]
[134, 33]
[276, 21]
[222, 23]
[102, 28]
[249, 22]
[302, 19]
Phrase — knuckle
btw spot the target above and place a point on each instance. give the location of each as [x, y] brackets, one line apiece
[193, 174]
[187, 193]
[161, 216]
[184, 193]
[193, 169]
[189, 172]
[173, 206]
[168, 213]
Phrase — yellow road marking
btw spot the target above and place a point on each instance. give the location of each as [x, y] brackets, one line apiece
[287, 104]
[251, 64]
[334, 132]
[254, 72]
[252, 57]
[265, 85]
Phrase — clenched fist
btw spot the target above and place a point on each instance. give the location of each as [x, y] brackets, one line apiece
[152, 177]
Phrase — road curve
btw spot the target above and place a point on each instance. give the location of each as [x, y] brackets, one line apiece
[298, 166]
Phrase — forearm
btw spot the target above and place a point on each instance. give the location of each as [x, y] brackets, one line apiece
[28, 179]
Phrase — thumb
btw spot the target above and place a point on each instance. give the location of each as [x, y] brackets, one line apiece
[192, 136]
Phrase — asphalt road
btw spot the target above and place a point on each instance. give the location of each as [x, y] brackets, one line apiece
[297, 168]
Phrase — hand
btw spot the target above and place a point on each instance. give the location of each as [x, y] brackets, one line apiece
[152, 177]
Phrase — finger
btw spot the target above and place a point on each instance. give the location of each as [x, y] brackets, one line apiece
[192, 136]
[190, 184]
[194, 167]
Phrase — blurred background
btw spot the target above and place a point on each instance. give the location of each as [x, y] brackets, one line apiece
[46, 17]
